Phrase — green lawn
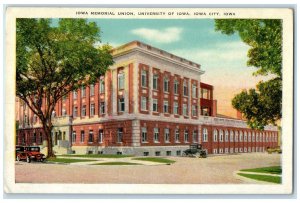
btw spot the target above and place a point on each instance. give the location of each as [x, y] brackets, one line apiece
[96, 155]
[271, 170]
[61, 160]
[155, 159]
[117, 163]
[272, 179]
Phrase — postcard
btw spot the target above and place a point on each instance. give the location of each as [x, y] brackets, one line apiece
[149, 100]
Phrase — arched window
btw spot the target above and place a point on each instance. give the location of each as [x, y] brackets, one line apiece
[245, 136]
[257, 137]
[231, 136]
[236, 139]
[253, 137]
[241, 136]
[205, 135]
[226, 135]
[249, 138]
[215, 135]
[221, 135]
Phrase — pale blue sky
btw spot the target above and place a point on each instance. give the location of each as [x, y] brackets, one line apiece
[222, 57]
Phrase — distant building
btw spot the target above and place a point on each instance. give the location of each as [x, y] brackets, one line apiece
[150, 102]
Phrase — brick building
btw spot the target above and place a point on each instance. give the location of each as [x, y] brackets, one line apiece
[150, 102]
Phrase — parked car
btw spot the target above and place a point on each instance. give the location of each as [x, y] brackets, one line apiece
[195, 150]
[19, 149]
[31, 153]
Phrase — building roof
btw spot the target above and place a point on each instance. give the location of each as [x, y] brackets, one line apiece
[133, 45]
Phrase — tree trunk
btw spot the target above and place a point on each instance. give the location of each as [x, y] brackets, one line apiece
[49, 143]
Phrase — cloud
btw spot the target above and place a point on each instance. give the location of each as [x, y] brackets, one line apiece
[167, 35]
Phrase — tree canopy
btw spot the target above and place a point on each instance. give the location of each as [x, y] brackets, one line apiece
[53, 60]
[260, 106]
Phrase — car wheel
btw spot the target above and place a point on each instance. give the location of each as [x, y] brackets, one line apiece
[28, 160]
[42, 160]
[197, 155]
[183, 154]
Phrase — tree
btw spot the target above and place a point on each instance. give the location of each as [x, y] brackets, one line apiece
[52, 61]
[264, 36]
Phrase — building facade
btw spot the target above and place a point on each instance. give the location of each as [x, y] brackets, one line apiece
[150, 102]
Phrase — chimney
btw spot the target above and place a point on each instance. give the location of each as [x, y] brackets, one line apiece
[239, 115]
[214, 108]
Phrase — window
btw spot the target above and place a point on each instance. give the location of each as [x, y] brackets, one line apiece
[156, 135]
[75, 111]
[194, 91]
[92, 90]
[64, 112]
[166, 84]
[263, 139]
[260, 137]
[194, 110]
[91, 136]
[74, 94]
[168, 153]
[154, 105]
[92, 109]
[257, 138]
[267, 138]
[185, 88]
[73, 136]
[215, 135]
[215, 151]
[100, 138]
[253, 137]
[236, 136]
[167, 135]
[184, 109]
[83, 110]
[177, 135]
[121, 81]
[186, 136]
[83, 92]
[221, 136]
[144, 78]
[241, 136]
[226, 135]
[144, 103]
[121, 105]
[175, 108]
[34, 137]
[120, 135]
[249, 137]
[82, 136]
[231, 136]
[195, 136]
[155, 82]
[144, 134]
[205, 135]
[41, 137]
[245, 136]
[102, 108]
[146, 153]
[176, 85]
[157, 153]
[205, 94]
[178, 153]
[102, 85]
[166, 107]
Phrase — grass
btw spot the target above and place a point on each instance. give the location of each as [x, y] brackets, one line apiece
[59, 160]
[117, 163]
[272, 170]
[272, 179]
[96, 155]
[155, 159]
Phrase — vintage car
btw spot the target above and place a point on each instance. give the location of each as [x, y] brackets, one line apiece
[19, 149]
[195, 150]
[31, 153]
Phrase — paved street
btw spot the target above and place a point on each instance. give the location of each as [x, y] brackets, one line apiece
[212, 170]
